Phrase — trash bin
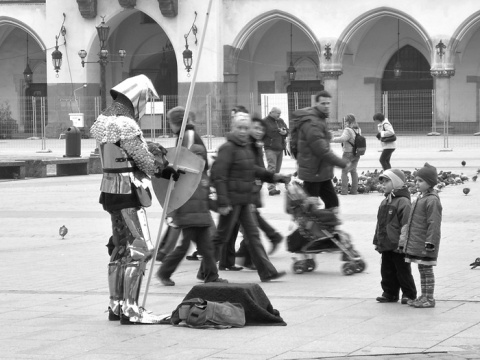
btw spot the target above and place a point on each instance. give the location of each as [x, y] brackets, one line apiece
[73, 142]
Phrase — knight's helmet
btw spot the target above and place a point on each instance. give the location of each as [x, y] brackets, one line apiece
[137, 89]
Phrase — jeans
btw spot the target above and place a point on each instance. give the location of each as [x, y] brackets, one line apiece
[225, 243]
[396, 275]
[274, 163]
[385, 158]
[325, 190]
[353, 171]
[201, 235]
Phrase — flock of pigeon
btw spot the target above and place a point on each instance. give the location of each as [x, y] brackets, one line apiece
[368, 181]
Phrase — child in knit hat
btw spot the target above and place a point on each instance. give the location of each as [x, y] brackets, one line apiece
[392, 216]
[420, 239]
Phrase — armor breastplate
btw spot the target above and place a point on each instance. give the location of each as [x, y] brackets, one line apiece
[115, 160]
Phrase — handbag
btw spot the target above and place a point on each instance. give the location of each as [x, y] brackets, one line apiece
[388, 139]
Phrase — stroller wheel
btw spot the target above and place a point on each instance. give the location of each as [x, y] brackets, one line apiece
[360, 266]
[310, 265]
[298, 267]
[348, 268]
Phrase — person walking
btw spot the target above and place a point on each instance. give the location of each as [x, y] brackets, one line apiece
[257, 133]
[233, 175]
[392, 215]
[347, 139]
[420, 240]
[315, 158]
[274, 143]
[386, 136]
[193, 217]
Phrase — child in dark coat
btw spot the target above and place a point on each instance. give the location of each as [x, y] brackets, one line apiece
[392, 216]
[194, 217]
[420, 239]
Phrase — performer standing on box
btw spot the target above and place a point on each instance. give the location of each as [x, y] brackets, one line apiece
[128, 162]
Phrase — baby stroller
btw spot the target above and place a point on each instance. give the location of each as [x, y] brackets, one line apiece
[317, 233]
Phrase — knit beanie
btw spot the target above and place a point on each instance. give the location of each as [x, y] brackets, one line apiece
[175, 115]
[429, 174]
[396, 176]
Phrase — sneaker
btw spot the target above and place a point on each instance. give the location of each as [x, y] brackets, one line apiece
[219, 280]
[274, 192]
[167, 281]
[386, 299]
[231, 268]
[274, 276]
[424, 303]
[410, 302]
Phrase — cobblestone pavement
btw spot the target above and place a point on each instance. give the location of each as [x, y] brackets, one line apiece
[54, 292]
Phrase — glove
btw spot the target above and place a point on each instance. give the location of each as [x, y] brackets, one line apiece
[156, 149]
[378, 136]
[168, 172]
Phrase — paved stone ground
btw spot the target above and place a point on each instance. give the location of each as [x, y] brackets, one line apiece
[54, 292]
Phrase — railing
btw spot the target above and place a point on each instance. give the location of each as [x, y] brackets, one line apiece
[411, 113]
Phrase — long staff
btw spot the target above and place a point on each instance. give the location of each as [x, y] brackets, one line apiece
[177, 153]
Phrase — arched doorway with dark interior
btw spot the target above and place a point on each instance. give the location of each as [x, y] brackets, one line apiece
[407, 89]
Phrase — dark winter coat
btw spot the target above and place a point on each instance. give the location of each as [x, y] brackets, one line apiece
[392, 216]
[424, 226]
[273, 140]
[315, 158]
[234, 172]
[196, 212]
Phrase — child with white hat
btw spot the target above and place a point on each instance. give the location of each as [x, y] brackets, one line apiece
[392, 216]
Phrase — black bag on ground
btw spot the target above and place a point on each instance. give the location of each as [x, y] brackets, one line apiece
[197, 312]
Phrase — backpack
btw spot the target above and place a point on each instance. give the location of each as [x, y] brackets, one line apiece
[199, 313]
[294, 132]
[359, 144]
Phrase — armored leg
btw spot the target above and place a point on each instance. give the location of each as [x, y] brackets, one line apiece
[139, 252]
[141, 247]
[116, 270]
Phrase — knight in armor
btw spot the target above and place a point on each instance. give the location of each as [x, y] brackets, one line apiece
[128, 162]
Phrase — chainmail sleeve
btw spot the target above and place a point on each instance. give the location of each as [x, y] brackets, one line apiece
[113, 129]
[137, 149]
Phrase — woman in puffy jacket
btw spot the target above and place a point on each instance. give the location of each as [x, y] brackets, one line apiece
[348, 139]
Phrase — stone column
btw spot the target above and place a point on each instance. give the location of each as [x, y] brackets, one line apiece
[442, 98]
[330, 82]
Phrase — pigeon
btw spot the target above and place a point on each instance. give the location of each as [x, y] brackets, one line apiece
[63, 231]
[466, 191]
[475, 263]
[475, 178]
[464, 163]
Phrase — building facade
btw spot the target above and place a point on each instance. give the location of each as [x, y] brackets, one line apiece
[352, 49]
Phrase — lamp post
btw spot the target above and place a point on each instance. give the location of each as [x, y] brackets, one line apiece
[397, 68]
[27, 73]
[102, 31]
[187, 53]
[291, 69]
